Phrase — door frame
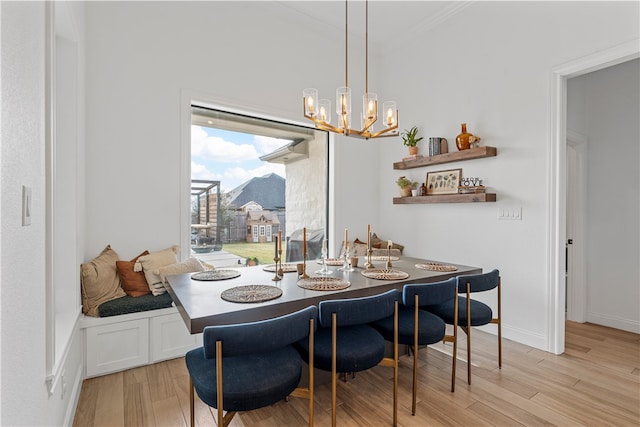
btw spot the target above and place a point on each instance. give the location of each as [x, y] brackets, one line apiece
[557, 184]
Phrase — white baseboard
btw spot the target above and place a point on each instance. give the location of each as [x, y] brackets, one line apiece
[74, 397]
[628, 325]
[521, 336]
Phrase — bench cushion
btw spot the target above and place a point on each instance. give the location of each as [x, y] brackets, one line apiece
[128, 304]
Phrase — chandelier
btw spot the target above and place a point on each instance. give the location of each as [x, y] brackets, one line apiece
[319, 110]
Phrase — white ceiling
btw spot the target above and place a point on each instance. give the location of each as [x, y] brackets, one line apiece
[391, 22]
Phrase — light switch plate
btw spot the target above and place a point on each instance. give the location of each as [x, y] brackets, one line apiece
[26, 205]
[510, 213]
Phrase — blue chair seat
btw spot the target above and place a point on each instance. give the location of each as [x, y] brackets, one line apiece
[250, 381]
[482, 313]
[431, 328]
[360, 346]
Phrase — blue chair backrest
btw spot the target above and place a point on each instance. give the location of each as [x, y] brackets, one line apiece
[479, 282]
[357, 311]
[261, 336]
[429, 293]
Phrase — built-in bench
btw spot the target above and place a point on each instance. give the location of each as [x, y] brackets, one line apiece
[133, 332]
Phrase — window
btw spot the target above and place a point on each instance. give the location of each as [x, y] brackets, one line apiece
[252, 178]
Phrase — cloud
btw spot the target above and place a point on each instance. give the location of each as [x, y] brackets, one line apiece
[205, 148]
[199, 171]
[266, 144]
[219, 149]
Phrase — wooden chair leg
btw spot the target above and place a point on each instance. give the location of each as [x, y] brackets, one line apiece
[395, 365]
[468, 334]
[499, 324]
[219, 386]
[191, 402]
[455, 343]
[415, 355]
[334, 374]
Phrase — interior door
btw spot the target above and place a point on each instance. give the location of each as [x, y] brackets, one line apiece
[576, 291]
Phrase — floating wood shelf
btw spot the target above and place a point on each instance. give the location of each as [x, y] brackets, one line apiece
[446, 198]
[457, 156]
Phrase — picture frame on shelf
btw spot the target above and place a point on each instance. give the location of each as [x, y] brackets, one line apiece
[443, 182]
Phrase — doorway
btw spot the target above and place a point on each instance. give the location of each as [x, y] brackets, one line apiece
[602, 202]
[557, 201]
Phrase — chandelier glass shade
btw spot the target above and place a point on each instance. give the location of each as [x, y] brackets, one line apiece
[319, 110]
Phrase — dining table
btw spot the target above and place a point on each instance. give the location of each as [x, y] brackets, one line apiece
[203, 303]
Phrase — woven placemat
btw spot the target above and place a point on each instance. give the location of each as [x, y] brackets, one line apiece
[251, 293]
[436, 266]
[384, 258]
[215, 275]
[384, 274]
[287, 268]
[324, 283]
[332, 261]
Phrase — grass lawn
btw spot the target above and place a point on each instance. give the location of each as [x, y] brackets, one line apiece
[265, 252]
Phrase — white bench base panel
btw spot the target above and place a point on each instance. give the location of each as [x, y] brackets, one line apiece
[117, 343]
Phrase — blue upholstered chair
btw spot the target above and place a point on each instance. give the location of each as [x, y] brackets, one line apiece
[346, 343]
[473, 312]
[417, 327]
[252, 365]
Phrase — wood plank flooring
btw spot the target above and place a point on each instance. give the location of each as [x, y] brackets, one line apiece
[596, 382]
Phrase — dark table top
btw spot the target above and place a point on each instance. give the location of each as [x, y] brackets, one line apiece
[200, 303]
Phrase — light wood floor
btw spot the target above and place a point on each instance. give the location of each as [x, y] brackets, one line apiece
[595, 383]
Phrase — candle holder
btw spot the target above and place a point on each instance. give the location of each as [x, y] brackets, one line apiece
[369, 264]
[278, 276]
[388, 264]
[346, 265]
[325, 253]
[280, 271]
[304, 269]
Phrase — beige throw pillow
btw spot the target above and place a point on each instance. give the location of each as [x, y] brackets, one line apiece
[192, 265]
[152, 262]
[99, 281]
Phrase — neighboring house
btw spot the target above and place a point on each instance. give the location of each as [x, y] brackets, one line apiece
[261, 226]
[268, 191]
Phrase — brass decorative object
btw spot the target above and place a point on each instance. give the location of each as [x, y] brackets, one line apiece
[278, 269]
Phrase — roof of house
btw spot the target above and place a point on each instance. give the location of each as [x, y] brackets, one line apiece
[268, 191]
[262, 216]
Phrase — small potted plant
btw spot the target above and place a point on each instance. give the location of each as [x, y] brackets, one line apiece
[414, 188]
[405, 186]
[251, 261]
[410, 139]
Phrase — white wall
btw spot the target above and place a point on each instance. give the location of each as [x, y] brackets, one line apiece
[240, 55]
[604, 106]
[490, 66]
[25, 395]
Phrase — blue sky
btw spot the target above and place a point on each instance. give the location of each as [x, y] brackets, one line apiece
[231, 157]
